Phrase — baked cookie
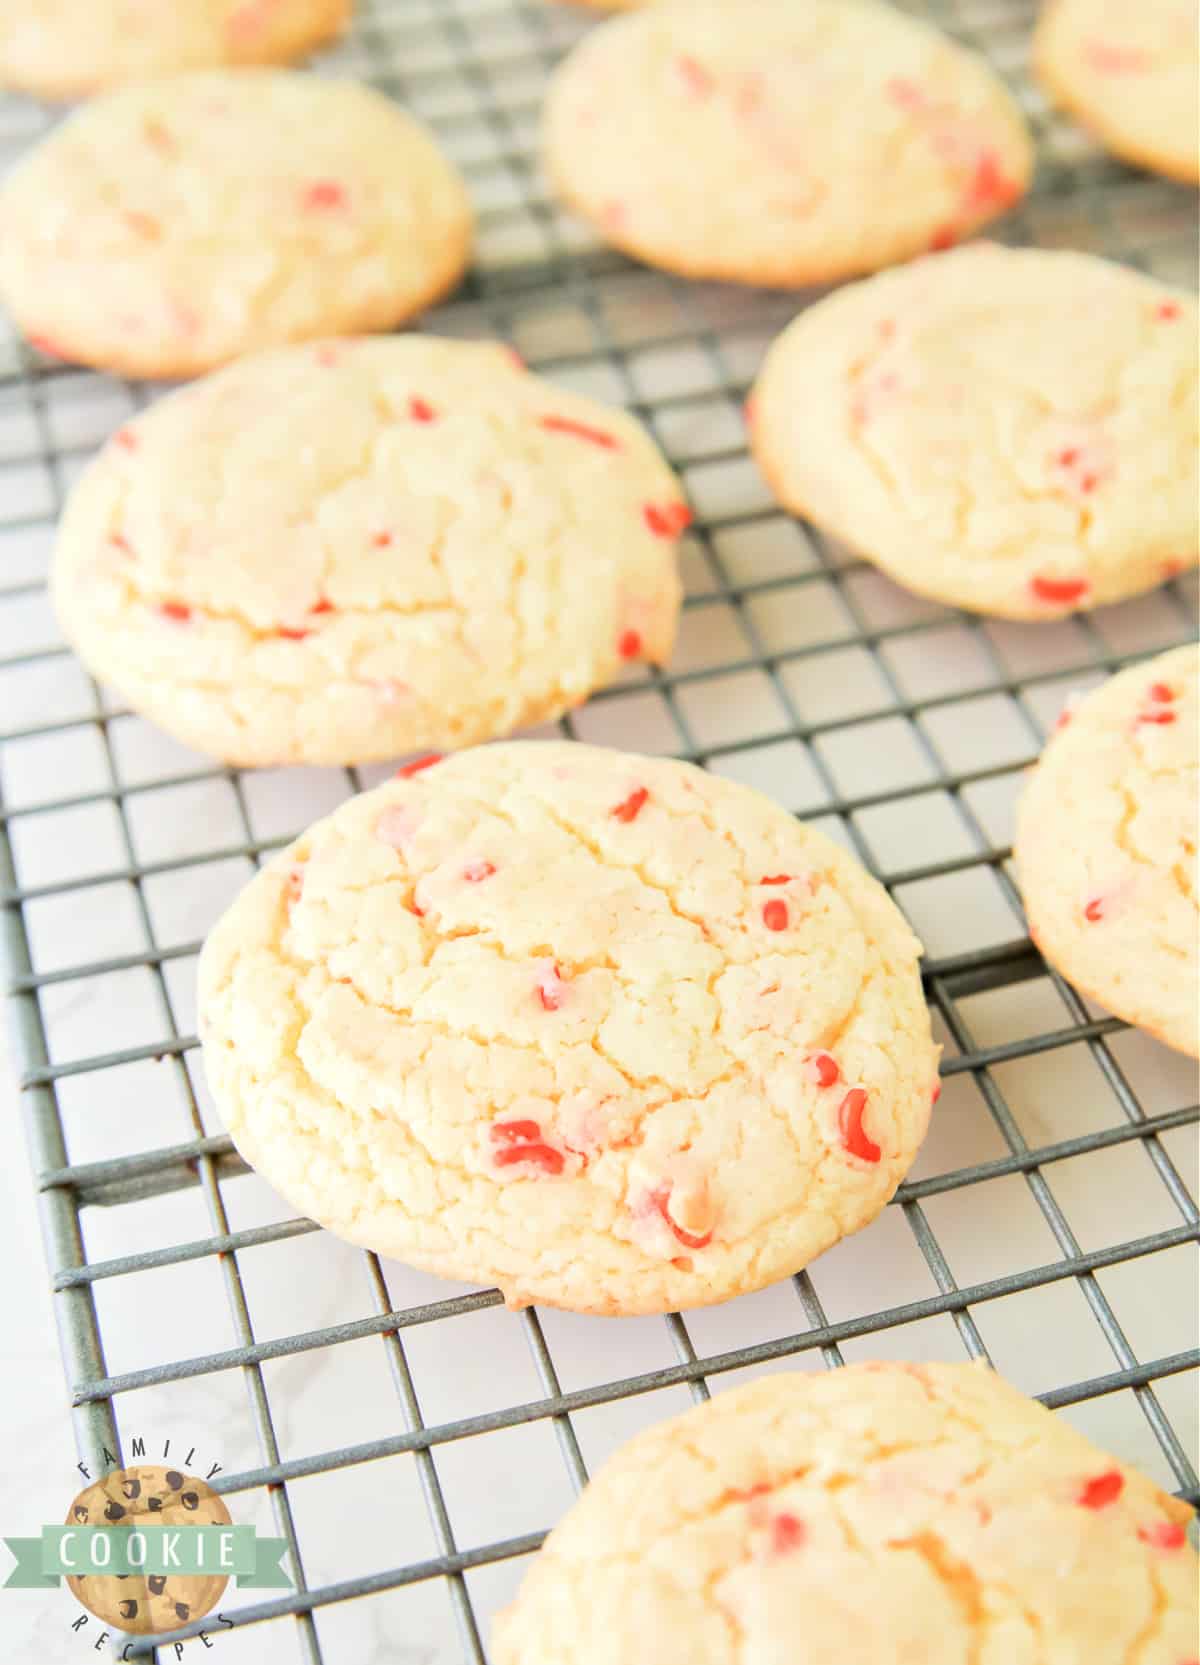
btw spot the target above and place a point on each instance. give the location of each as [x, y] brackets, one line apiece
[70, 48]
[873, 1515]
[1009, 430]
[1106, 848]
[148, 1495]
[781, 144]
[173, 225]
[1128, 72]
[603, 1030]
[348, 551]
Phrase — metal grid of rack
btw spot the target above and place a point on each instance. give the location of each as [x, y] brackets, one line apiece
[900, 727]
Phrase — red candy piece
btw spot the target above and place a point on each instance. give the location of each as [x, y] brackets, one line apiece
[578, 430]
[628, 808]
[1160, 693]
[178, 611]
[824, 1067]
[1163, 1534]
[787, 1533]
[291, 635]
[944, 237]
[694, 76]
[936, 1093]
[420, 410]
[777, 879]
[516, 1133]
[748, 410]
[551, 987]
[542, 1156]
[1060, 591]
[475, 871]
[325, 193]
[1158, 717]
[1104, 1489]
[1093, 910]
[381, 540]
[660, 1199]
[667, 520]
[324, 605]
[775, 914]
[990, 186]
[1166, 311]
[419, 763]
[629, 644]
[850, 1126]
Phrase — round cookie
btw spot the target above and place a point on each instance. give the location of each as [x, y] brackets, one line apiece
[350, 551]
[781, 144]
[173, 225]
[603, 1030]
[1008, 430]
[148, 1495]
[1106, 847]
[1128, 73]
[71, 48]
[875, 1515]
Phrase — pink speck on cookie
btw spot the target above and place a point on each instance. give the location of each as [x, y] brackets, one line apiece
[178, 612]
[629, 644]
[692, 76]
[1167, 311]
[421, 410]
[1059, 592]
[1163, 1534]
[323, 196]
[125, 439]
[907, 93]
[854, 1136]
[667, 520]
[1107, 59]
[551, 986]
[397, 824]
[408, 770]
[579, 430]
[476, 871]
[628, 809]
[1101, 1490]
[787, 1534]
[775, 914]
[822, 1067]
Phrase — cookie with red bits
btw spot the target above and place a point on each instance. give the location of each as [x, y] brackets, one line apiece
[783, 144]
[1009, 430]
[1129, 74]
[1106, 847]
[355, 550]
[173, 225]
[602, 1030]
[73, 48]
[880, 1514]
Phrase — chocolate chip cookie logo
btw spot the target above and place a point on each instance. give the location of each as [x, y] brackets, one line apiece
[148, 1550]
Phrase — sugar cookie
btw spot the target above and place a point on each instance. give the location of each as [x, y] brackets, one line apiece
[1009, 430]
[354, 549]
[874, 1515]
[173, 225]
[71, 48]
[1106, 847]
[781, 144]
[602, 1030]
[1129, 73]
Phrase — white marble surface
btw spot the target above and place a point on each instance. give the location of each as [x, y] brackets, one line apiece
[372, 1516]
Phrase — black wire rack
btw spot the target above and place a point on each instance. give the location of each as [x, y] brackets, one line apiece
[1050, 1223]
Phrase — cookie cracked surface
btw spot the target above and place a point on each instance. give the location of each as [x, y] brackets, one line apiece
[354, 550]
[1008, 430]
[1106, 847]
[783, 144]
[874, 1515]
[173, 225]
[71, 48]
[602, 1030]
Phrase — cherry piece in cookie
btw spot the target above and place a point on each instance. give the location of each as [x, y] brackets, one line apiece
[530, 1012]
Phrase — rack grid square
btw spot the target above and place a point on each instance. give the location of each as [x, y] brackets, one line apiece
[1056, 1188]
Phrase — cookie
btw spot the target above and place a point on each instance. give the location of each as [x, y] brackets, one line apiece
[71, 48]
[148, 1495]
[354, 550]
[173, 225]
[1129, 74]
[602, 1030]
[1106, 847]
[781, 144]
[874, 1515]
[1008, 430]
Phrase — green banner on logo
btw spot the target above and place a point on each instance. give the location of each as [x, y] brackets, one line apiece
[211, 1551]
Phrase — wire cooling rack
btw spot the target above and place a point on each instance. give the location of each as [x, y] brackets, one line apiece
[410, 1439]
